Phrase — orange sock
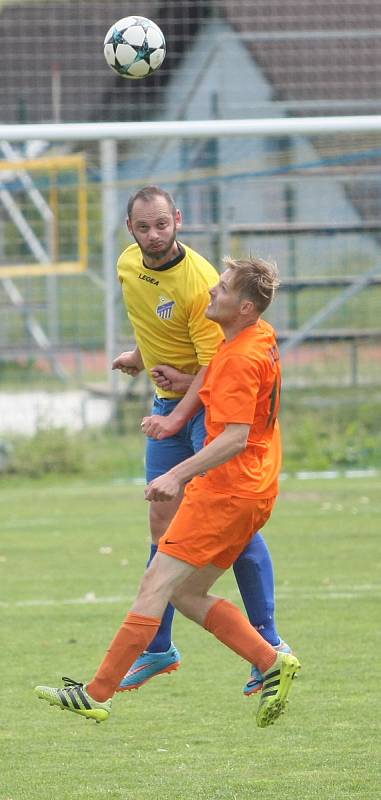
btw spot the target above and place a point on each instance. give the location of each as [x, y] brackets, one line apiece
[230, 626]
[134, 635]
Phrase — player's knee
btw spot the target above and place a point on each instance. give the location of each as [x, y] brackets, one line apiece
[253, 556]
[184, 603]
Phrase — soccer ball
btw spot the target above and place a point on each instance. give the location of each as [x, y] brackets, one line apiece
[134, 47]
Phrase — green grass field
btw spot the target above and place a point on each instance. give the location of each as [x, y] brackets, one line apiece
[190, 735]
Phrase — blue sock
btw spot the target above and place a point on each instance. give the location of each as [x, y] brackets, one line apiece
[163, 638]
[255, 577]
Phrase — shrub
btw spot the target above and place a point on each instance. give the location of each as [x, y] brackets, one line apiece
[49, 451]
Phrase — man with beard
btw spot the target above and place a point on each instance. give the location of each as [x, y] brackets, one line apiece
[165, 288]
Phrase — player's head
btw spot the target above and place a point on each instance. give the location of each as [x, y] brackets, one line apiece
[254, 279]
[153, 220]
[245, 289]
[149, 193]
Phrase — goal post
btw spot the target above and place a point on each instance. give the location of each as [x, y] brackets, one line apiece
[205, 128]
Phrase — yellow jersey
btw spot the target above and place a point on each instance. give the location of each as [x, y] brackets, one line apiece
[166, 307]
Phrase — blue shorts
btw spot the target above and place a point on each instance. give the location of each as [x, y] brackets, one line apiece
[163, 454]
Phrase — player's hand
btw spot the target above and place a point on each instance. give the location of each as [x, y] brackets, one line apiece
[128, 362]
[159, 427]
[171, 379]
[165, 487]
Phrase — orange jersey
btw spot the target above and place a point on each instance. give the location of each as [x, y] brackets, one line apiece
[242, 385]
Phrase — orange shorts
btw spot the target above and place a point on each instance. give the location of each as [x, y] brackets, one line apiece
[213, 528]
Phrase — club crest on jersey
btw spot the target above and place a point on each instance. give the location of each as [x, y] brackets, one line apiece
[165, 308]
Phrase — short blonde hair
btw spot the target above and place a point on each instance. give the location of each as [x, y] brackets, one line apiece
[254, 279]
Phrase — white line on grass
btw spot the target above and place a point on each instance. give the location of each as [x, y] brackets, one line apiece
[318, 593]
[332, 474]
[89, 599]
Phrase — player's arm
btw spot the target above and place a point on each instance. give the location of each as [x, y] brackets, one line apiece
[228, 444]
[130, 362]
[171, 379]
[159, 427]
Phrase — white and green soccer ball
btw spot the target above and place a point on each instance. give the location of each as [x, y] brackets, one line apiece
[134, 47]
